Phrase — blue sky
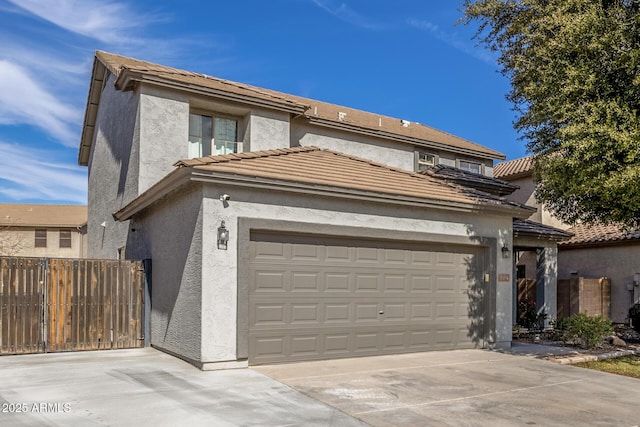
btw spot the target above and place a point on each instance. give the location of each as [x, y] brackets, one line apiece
[405, 59]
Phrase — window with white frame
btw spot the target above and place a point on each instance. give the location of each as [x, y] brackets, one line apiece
[470, 166]
[424, 160]
[212, 135]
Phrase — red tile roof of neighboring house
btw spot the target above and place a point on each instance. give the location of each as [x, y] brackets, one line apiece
[326, 168]
[514, 168]
[130, 70]
[13, 214]
[596, 234]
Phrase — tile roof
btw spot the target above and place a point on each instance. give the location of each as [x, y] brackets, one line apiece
[478, 181]
[596, 234]
[315, 111]
[42, 215]
[527, 227]
[326, 168]
[514, 168]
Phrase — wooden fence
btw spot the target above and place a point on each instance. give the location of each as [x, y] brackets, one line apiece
[54, 304]
[581, 295]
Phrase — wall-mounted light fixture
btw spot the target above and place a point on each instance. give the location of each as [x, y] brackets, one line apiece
[505, 251]
[223, 236]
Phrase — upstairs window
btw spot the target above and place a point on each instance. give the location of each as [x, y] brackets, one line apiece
[424, 160]
[211, 135]
[41, 238]
[65, 238]
[470, 166]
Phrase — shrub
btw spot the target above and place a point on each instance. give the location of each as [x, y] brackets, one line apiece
[580, 328]
[529, 317]
[634, 315]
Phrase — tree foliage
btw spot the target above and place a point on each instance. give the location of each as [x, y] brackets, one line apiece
[574, 67]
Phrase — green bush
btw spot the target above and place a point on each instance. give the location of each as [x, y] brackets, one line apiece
[580, 328]
[634, 315]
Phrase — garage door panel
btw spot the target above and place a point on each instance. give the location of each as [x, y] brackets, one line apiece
[366, 282]
[366, 255]
[270, 281]
[302, 281]
[313, 299]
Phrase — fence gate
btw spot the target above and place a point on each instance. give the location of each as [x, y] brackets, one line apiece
[55, 304]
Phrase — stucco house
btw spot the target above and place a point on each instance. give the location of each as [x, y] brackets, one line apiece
[283, 228]
[590, 251]
[42, 230]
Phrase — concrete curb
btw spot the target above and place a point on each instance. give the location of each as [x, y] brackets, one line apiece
[591, 357]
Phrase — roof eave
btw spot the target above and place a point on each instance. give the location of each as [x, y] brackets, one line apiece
[183, 175]
[170, 182]
[91, 111]
[402, 138]
[540, 236]
[128, 79]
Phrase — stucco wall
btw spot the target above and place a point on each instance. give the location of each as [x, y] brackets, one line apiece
[170, 234]
[220, 268]
[267, 130]
[619, 263]
[164, 133]
[113, 170]
[394, 154]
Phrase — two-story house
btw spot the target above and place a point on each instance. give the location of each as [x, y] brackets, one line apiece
[33, 230]
[282, 228]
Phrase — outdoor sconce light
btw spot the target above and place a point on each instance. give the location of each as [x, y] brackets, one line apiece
[223, 236]
[505, 251]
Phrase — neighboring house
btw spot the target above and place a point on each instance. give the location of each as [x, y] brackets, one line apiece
[594, 251]
[282, 228]
[605, 251]
[55, 231]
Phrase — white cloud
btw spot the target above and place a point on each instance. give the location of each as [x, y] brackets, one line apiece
[98, 19]
[31, 178]
[23, 100]
[347, 14]
[453, 40]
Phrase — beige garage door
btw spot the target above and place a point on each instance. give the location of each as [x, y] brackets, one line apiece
[315, 297]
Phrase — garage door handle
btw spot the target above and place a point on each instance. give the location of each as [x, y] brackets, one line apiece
[381, 312]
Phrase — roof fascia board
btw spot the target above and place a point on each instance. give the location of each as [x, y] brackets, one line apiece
[185, 174]
[540, 236]
[128, 78]
[98, 75]
[401, 138]
[172, 181]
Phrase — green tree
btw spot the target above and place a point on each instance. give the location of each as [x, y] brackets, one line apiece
[574, 67]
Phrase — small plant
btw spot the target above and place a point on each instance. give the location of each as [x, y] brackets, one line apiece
[529, 317]
[581, 328]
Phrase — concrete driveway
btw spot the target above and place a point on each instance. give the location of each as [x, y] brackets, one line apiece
[465, 388]
[144, 387]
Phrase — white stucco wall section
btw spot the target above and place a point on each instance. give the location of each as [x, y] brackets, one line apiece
[396, 155]
[164, 133]
[220, 267]
[267, 130]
